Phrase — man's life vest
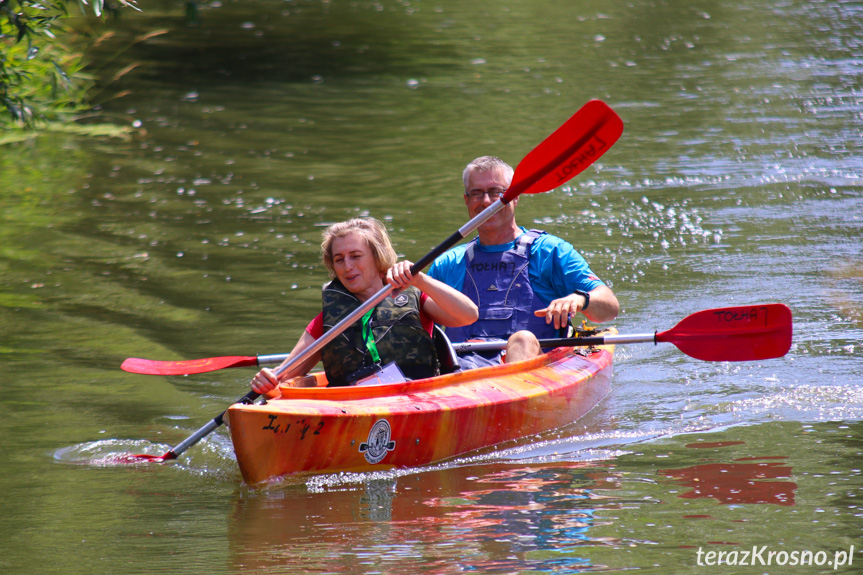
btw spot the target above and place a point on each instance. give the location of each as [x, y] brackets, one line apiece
[498, 283]
[394, 326]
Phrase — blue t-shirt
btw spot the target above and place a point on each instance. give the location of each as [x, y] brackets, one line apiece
[555, 269]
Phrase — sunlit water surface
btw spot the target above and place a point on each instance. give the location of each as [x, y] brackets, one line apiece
[737, 181]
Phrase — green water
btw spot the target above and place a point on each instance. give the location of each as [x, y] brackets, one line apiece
[737, 181]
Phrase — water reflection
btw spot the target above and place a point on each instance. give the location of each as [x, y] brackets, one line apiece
[736, 482]
[503, 519]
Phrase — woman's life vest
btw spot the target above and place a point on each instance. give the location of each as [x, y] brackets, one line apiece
[499, 285]
[395, 328]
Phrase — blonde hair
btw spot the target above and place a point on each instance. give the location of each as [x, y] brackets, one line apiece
[487, 164]
[371, 230]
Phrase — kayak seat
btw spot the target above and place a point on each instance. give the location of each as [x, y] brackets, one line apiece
[446, 355]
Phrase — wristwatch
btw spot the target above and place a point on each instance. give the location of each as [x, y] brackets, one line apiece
[586, 298]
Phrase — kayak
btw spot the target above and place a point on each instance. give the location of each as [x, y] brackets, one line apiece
[303, 427]
[307, 427]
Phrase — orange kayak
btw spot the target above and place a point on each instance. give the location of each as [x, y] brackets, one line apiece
[315, 429]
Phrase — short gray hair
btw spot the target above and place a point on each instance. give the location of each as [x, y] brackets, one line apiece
[487, 164]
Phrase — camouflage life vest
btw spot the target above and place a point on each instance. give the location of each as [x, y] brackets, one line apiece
[397, 330]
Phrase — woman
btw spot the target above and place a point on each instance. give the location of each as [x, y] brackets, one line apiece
[360, 258]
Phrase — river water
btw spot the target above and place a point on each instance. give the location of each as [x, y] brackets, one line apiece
[738, 180]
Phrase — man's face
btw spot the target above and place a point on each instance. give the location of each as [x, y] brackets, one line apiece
[480, 184]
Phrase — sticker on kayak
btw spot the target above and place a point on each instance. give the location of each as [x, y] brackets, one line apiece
[378, 443]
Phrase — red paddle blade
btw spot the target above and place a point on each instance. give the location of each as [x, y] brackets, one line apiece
[154, 367]
[570, 149]
[141, 458]
[743, 333]
[133, 458]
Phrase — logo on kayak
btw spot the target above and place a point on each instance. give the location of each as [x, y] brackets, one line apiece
[378, 443]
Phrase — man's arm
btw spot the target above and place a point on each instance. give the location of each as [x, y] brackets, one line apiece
[603, 305]
[567, 272]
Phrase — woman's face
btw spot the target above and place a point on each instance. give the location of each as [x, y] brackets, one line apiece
[355, 266]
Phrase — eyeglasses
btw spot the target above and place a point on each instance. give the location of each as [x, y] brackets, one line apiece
[493, 194]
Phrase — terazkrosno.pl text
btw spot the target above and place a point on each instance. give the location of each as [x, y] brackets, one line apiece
[762, 556]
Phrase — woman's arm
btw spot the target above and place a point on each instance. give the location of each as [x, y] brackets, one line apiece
[446, 306]
[266, 380]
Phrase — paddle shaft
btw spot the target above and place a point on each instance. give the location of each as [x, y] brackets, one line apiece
[274, 359]
[469, 346]
[207, 429]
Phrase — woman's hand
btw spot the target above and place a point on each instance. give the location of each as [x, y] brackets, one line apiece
[264, 381]
[445, 306]
[399, 276]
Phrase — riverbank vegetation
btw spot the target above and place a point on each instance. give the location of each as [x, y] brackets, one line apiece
[43, 83]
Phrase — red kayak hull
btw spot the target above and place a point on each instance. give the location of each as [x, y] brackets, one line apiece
[364, 428]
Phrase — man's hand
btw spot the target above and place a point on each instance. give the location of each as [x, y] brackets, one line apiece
[560, 310]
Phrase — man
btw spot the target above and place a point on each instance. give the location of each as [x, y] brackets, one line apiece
[526, 283]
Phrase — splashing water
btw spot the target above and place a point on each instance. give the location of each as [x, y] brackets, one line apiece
[110, 452]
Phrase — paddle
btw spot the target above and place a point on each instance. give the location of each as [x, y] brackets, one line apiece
[743, 333]
[155, 367]
[574, 146]
[722, 334]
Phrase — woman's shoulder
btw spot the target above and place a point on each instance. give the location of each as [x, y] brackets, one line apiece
[316, 326]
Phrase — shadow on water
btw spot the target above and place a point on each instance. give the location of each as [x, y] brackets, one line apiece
[283, 43]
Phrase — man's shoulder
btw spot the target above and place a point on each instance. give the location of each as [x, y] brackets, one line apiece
[449, 267]
[549, 242]
[448, 260]
[453, 254]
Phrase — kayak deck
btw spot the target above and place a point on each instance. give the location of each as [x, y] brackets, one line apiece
[363, 428]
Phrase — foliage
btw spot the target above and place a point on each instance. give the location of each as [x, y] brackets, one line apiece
[41, 77]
